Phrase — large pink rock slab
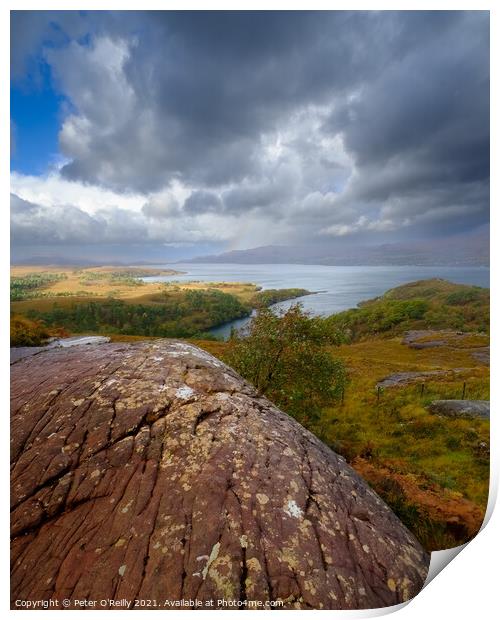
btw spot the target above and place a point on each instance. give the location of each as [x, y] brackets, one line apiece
[153, 471]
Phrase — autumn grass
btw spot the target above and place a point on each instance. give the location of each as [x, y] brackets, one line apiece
[428, 455]
[80, 284]
[432, 470]
[437, 446]
[117, 300]
[28, 333]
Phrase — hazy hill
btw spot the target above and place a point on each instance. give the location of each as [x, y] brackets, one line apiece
[460, 250]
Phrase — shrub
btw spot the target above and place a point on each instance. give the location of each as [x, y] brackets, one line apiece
[466, 296]
[26, 333]
[284, 356]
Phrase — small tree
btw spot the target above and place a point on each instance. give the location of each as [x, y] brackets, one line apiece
[284, 355]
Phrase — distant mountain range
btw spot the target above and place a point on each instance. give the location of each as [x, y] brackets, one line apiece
[451, 251]
[471, 249]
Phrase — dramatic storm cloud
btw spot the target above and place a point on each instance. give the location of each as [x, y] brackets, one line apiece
[238, 129]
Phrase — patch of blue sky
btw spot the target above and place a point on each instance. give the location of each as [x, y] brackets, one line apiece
[36, 120]
[37, 109]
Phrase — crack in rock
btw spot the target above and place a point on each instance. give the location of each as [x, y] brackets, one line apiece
[135, 477]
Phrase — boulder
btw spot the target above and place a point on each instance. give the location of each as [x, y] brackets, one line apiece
[399, 379]
[153, 472]
[482, 355]
[402, 379]
[461, 408]
[411, 338]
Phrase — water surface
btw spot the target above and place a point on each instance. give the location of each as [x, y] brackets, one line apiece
[339, 288]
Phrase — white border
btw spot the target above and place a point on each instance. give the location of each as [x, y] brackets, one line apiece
[465, 588]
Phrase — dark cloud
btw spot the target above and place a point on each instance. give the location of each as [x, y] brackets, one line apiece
[191, 95]
[419, 133]
[333, 123]
[202, 202]
[30, 30]
[54, 225]
[61, 225]
[161, 207]
[34, 224]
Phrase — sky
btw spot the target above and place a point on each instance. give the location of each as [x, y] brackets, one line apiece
[167, 135]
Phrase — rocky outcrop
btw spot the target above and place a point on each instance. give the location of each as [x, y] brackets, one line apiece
[400, 379]
[482, 355]
[430, 339]
[461, 408]
[153, 472]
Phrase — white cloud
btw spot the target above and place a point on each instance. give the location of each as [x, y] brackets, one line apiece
[51, 210]
[52, 190]
[362, 224]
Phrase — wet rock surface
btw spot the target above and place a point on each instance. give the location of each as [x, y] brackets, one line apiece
[152, 471]
[19, 353]
[461, 408]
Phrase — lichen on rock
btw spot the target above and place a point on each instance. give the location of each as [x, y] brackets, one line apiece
[135, 477]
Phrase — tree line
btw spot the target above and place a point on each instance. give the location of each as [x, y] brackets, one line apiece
[190, 313]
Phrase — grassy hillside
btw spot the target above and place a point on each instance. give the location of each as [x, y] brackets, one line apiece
[426, 304]
[433, 471]
[34, 282]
